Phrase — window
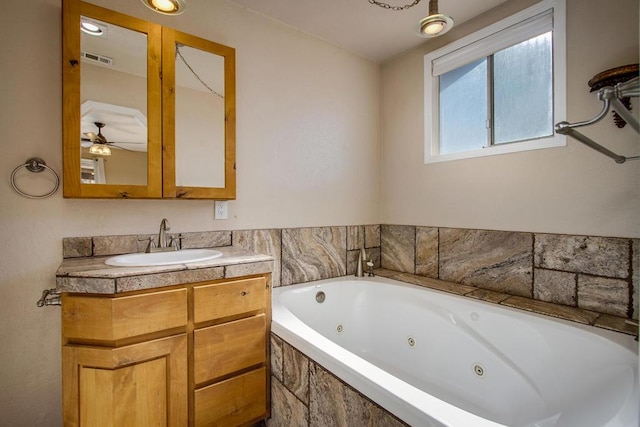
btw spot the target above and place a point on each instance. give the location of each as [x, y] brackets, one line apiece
[499, 90]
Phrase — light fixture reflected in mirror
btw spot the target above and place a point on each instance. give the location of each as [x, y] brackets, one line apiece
[100, 150]
[436, 24]
[166, 7]
[93, 28]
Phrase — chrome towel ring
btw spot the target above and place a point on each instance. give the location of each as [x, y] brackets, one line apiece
[36, 165]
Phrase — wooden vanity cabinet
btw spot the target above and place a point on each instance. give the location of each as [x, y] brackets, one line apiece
[193, 355]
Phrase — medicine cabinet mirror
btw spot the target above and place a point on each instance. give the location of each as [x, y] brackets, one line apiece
[152, 109]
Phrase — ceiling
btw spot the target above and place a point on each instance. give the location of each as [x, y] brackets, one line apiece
[361, 27]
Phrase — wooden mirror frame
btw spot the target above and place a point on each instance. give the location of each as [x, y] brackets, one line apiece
[169, 39]
[160, 109]
[72, 10]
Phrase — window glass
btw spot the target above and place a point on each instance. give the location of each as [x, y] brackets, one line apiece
[463, 108]
[523, 94]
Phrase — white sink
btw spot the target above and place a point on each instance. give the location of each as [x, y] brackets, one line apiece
[163, 258]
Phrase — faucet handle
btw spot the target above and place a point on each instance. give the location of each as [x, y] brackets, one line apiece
[176, 241]
[150, 245]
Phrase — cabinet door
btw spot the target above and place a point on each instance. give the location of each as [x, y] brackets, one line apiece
[138, 385]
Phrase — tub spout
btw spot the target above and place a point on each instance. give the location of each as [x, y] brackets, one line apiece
[362, 256]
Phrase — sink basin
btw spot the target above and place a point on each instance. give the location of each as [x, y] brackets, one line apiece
[163, 258]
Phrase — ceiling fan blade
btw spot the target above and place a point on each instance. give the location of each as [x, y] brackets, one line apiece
[121, 148]
[126, 142]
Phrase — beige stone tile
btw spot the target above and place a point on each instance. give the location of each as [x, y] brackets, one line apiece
[148, 281]
[286, 409]
[616, 323]
[427, 252]
[276, 356]
[114, 245]
[205, 239]
[494, 260]
[488, 296]
[313, 254]
[333, 403]
[247, 269]
[75, 247]
[398, 247]
[355, 237]
[372, 236]
[296, 372]
[86, 284]
[555, 286]
[268, 242]
[568, 313]
[600, 256]
[603, 295]
[440, 285]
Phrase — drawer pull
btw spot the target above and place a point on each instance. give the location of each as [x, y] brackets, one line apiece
[244, 293]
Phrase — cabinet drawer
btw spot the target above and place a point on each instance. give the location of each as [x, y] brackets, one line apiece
[223, 349]
[233, 402]
[220, 300]
[112, 319]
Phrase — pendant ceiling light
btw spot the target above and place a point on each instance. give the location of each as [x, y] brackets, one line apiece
[435, 24]
[166, 7]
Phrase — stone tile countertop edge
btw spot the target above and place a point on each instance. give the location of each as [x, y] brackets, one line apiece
[572, 314]
[92, 275]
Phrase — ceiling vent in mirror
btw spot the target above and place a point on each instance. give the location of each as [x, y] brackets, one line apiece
[166, 7]
[97, 59]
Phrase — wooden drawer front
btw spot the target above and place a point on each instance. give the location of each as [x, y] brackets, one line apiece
[233, 402]
[223, 349]
[228, 299]
[111, 319]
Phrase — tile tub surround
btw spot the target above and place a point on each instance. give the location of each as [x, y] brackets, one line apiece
[304, 394]
[598, 274]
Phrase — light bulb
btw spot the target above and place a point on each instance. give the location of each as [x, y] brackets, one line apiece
[434, 25]
[100, 150]
[165, 5]
[433, 28]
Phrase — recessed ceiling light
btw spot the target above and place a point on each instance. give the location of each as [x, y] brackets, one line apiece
[166, 7]
[93, 28]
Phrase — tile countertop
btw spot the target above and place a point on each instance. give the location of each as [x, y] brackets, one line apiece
[92, 275]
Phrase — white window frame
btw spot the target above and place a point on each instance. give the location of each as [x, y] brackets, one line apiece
[483, 43]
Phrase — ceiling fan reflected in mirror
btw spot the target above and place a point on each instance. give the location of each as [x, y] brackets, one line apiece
[98, 143]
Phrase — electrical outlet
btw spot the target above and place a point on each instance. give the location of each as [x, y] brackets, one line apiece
[220, 209]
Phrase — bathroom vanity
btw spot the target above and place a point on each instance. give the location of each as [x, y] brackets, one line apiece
[172, 345]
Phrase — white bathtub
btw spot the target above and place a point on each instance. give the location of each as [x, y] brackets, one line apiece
[435, 359]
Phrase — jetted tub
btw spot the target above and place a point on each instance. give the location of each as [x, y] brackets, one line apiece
[436, 359]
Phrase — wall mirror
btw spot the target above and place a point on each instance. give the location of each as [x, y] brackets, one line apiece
[199, 117]
[144, 136]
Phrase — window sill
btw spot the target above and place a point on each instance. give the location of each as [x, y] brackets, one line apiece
[515, 147]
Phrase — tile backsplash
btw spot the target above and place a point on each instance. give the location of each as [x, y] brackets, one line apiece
[599, 274]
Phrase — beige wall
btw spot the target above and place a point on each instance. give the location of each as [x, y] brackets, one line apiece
[308, 154]
[562, 190]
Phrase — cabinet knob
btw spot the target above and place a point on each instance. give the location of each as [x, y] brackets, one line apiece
[244, 293]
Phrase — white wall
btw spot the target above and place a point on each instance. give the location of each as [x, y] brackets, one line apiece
[563, 190]
[308, 153]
